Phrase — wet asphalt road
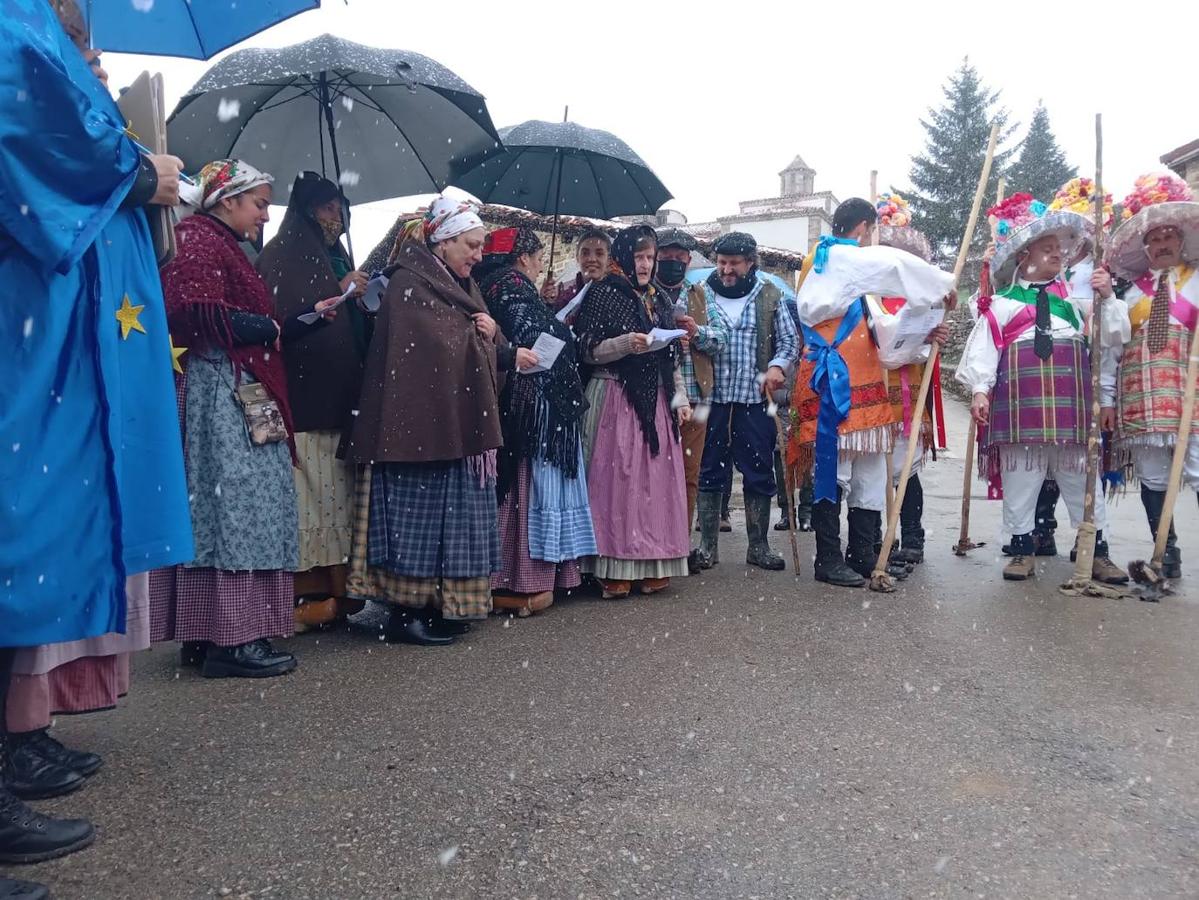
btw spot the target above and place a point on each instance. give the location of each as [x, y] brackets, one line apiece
[746, 735]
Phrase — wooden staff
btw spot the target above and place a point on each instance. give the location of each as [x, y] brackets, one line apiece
[789, 485]
[964, 543]
[1085, 558]
[879, 579]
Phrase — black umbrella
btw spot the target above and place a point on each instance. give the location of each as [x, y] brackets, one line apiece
[557, 168]
[388, 123]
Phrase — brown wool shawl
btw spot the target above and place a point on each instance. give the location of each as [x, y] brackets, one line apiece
[429, 393]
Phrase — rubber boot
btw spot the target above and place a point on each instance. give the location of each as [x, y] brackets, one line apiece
[911, 531]
[803, 512]
[1022, 565]
[757, 526]
[866, 543]
[707, 512]
[1154, 502]
[726, 524]
[830, 564]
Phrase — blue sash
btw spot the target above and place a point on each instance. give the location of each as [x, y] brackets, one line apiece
[830, 381]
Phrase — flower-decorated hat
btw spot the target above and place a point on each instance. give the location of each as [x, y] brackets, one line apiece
[1021, 220]
[1078, 195]
[895, 227]
[1156, 200]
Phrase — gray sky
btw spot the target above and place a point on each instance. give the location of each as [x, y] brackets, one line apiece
[718, 98]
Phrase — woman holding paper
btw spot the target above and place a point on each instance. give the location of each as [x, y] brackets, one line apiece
[306, 262]
[630, 434]
[544, 513]
[236, 594]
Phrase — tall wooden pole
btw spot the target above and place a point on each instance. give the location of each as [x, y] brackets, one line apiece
[879, 579]
[964, 543]
[1085, 558]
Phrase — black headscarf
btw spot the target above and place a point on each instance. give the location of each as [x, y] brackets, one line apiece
[617, 305]
[541, 413]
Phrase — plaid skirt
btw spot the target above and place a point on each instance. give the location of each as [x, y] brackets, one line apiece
[226, 608]
[1038, 401]
[432, 520]
[1151, 391]
[523, 566]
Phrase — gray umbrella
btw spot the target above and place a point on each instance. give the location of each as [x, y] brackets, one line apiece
[383, 123]
[562, 167]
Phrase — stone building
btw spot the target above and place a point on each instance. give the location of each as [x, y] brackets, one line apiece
[794, 220]
[1185, 162]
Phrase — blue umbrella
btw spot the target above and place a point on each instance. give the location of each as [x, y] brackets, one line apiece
[196, 29]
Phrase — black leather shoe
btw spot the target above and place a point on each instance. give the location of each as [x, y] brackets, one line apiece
[31, 777]
[27, 836]
[407, 627]
[11, 889]
[256, 659]
[86, 764]
[839, 574]
[439, 624]
[191, 654]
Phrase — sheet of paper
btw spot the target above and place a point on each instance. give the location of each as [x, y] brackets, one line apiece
[311, 318]
[373, 298]
[575, 302]
[661, 337]
[913, 327]
[547, 347]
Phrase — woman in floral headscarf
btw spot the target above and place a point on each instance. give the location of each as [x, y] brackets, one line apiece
[237, 427]
[427, 430]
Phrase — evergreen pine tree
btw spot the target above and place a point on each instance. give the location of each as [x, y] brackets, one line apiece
[1041, 168]
[945, 175]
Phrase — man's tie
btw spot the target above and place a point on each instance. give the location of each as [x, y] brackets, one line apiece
[1158, 328]
[1042, 340]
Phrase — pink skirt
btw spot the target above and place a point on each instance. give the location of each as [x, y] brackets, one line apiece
[638, 501]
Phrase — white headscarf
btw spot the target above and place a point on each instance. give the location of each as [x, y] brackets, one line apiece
[223, 178]
[448, 218]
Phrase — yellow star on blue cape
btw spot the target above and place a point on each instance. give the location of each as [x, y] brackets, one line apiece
[176, 352]
[127, 316]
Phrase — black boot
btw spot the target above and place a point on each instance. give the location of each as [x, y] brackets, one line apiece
[707, 512]
[911, 530]
[830, 565]
[11, 889]
[1154, 502]
[757, 525]
[803, 512]
[256, 659]
[1045, 528]
[407, 626]
[865, 543]
[27, 836]
[33, 777]
[726, 524]
[86, 764]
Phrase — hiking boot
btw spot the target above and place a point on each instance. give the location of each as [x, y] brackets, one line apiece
[1022, 565]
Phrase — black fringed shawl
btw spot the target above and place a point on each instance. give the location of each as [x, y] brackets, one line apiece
[541, 413]
[615, 306]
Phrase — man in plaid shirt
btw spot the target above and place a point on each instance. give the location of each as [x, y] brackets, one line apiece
[763, 342]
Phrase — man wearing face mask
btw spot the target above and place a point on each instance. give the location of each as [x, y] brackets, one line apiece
[707, 333]
[1157, 250]
[304, 263]
[741, 429]
[1031, 333]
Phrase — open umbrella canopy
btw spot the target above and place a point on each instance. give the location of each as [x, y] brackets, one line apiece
[562, 167]
[386, 123]
[196, 29]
